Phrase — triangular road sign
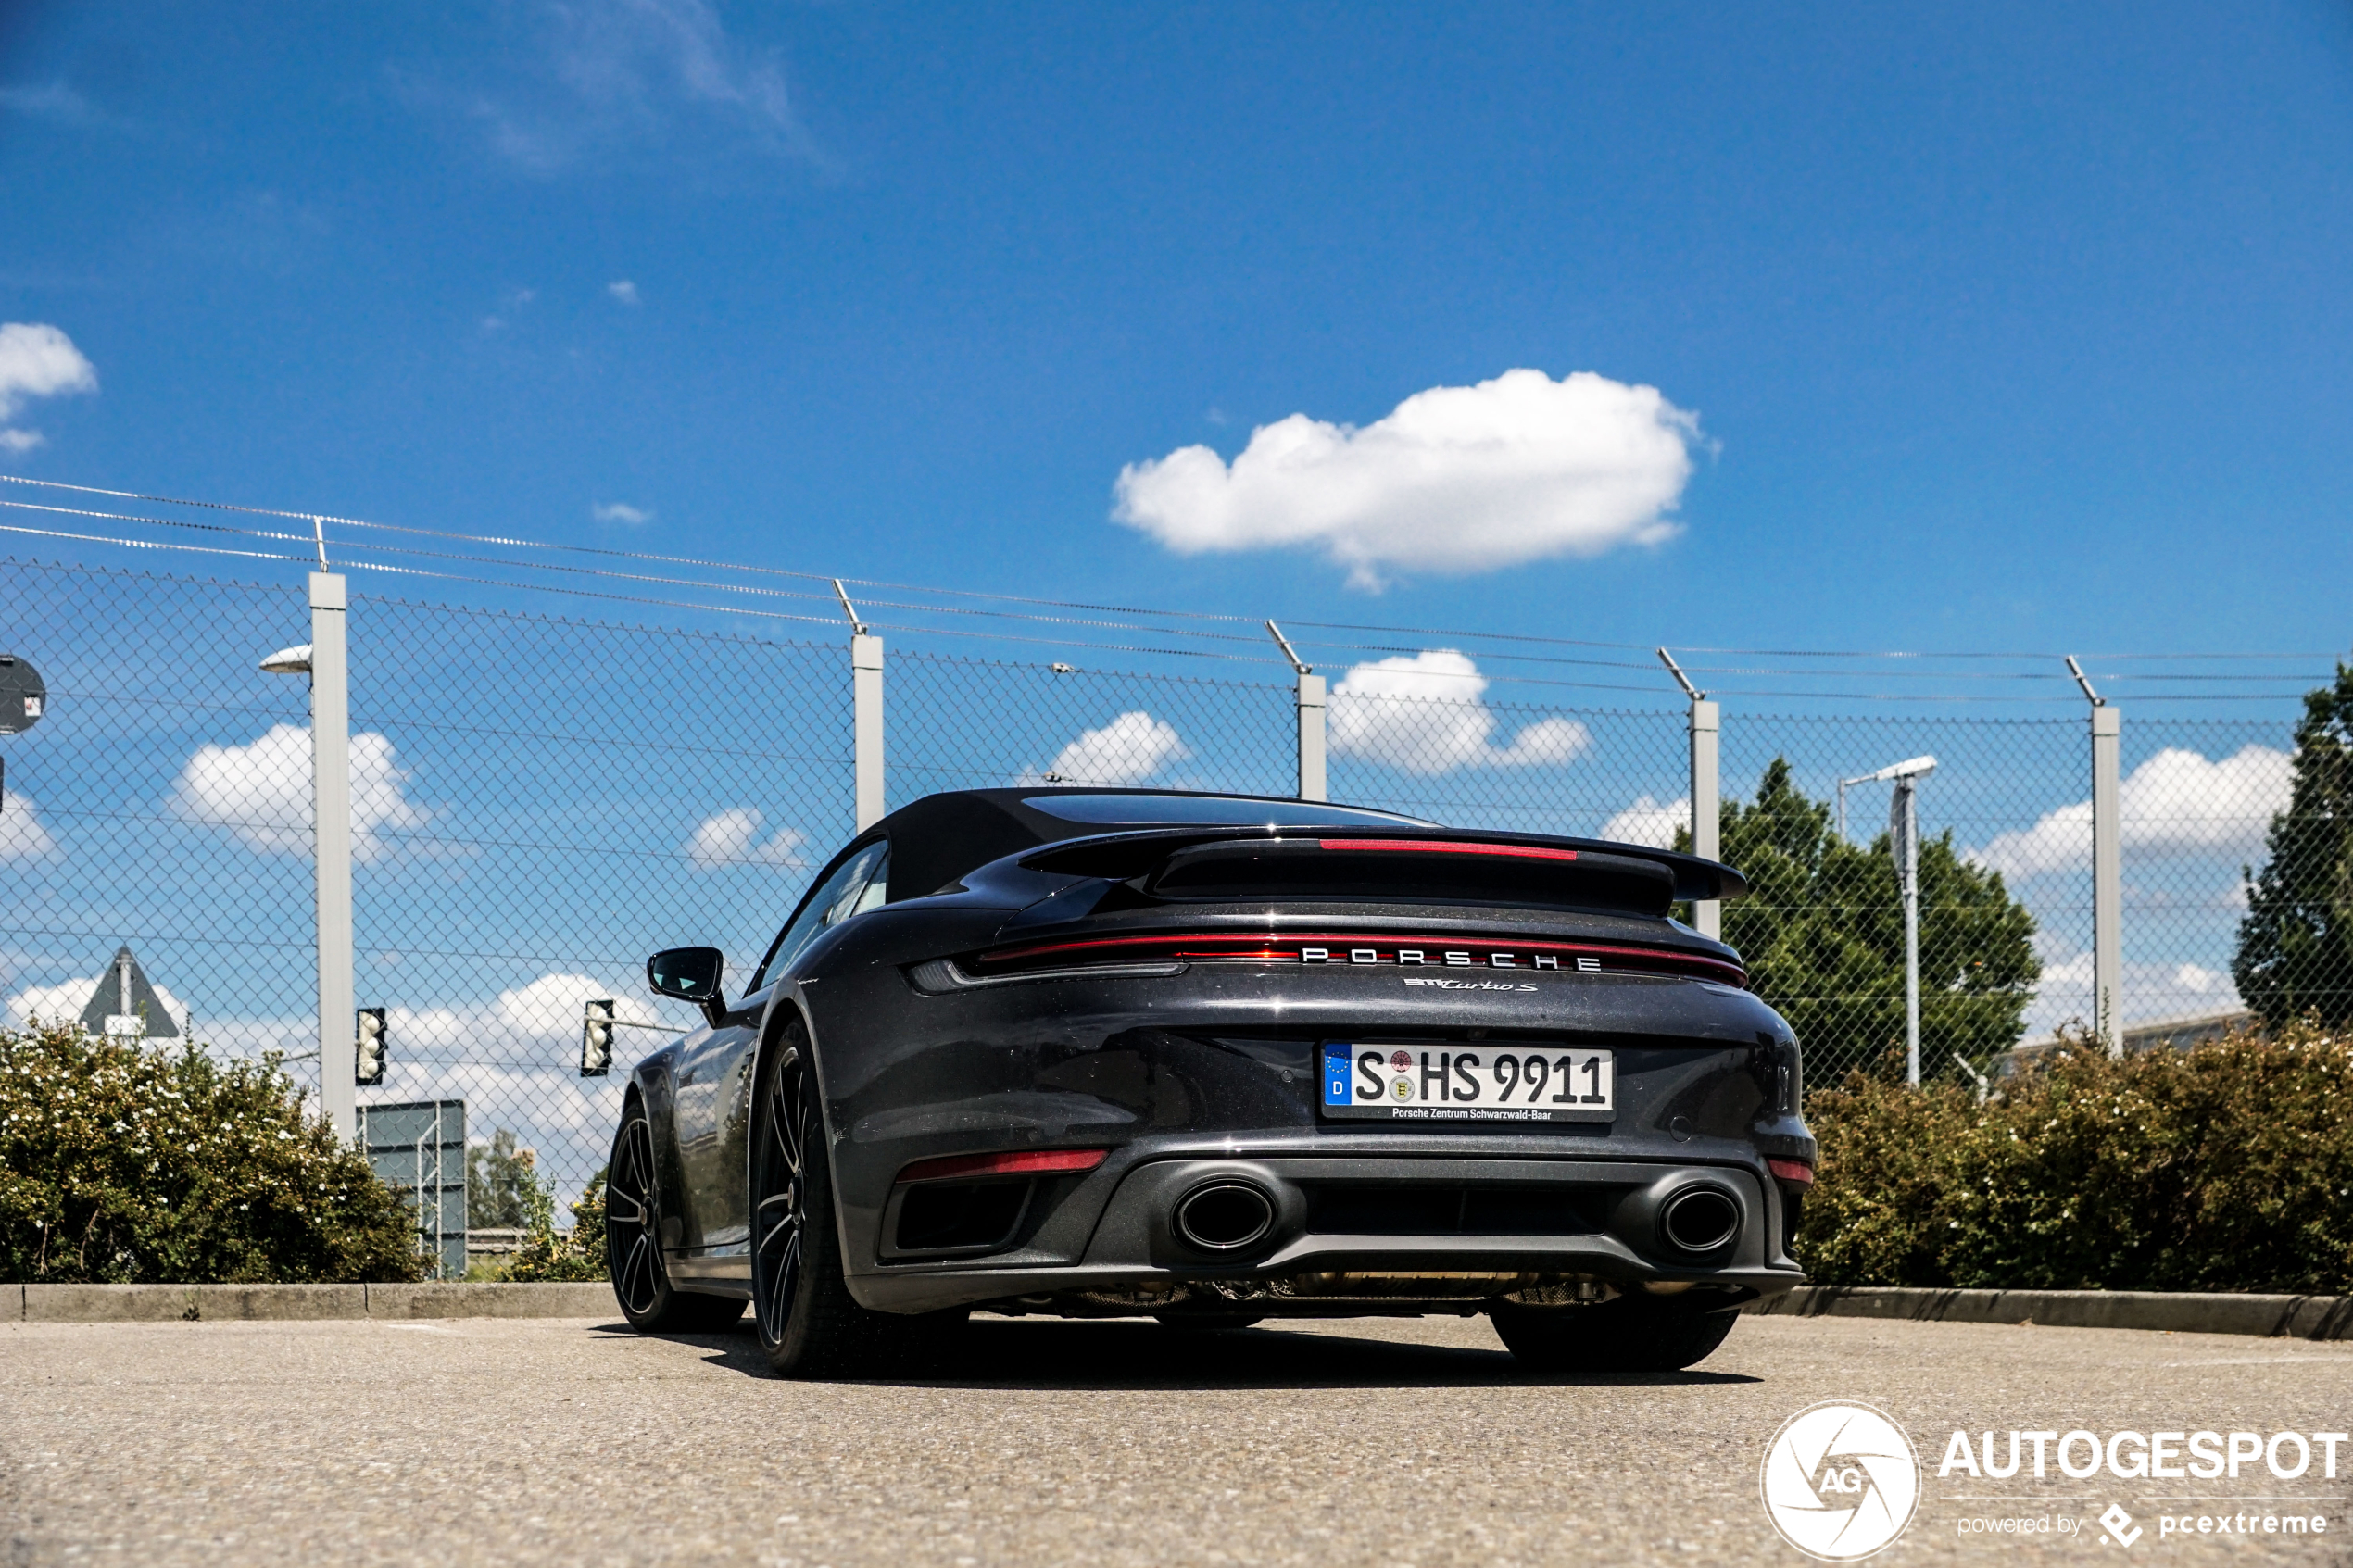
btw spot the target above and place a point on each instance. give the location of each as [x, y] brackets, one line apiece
[124, 1004]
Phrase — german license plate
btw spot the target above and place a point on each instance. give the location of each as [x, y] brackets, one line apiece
[1467, 1083]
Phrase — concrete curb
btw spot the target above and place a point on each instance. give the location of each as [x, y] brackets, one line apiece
[285, 1303]
[2297, 1317]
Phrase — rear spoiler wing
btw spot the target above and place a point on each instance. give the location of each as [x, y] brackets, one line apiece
[1121, 857]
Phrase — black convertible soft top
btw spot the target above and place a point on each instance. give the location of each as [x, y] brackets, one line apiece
[937, 840]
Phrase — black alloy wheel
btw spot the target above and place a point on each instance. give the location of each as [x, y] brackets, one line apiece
[633, 1240]
[809, 1324]
[780, 1188]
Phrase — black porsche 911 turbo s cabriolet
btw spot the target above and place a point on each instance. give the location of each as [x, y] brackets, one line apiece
[1216, 1059]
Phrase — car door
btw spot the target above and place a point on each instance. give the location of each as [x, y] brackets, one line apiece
[714, 1096]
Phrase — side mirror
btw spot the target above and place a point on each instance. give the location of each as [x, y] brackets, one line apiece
[689, 974]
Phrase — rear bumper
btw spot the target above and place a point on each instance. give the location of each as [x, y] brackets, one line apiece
[1495, 1225]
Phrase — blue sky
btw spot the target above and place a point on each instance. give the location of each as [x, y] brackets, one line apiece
[2002, 326]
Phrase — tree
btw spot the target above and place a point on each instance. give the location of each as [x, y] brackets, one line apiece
[1821, 933]
[499, 1178]
[2295, 945]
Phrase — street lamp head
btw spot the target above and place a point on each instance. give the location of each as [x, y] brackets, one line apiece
[289, 661]
[1912, 768]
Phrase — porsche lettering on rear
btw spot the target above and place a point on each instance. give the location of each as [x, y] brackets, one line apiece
[1456, 958]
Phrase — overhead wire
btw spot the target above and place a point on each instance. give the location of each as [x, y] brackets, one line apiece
[1490, 646]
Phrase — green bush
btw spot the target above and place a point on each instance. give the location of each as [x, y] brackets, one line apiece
[120, 1162]
[2222, 1168]
[548, 1254]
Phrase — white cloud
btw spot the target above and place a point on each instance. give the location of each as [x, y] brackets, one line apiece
[621, 512]
[37, 360]
[1128, 750]
[1649, 822]
[2197, 980]
[262, 792]
[515, 1061]
[2175, 803]
[2150, 991]
[23, 835]
[606, 77]
[623, 291]
[1457, 479]
[1425, 714]
[51, 100]
[732, 838]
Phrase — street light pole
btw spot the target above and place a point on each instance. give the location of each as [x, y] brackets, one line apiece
[323, 658]
[330, 811]
[1904, 847]
[1904, 837]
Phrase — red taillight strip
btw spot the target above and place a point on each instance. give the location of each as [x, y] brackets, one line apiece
[1255, 946]
[1016, 1162]
[1445, 846]
[1794, 1172]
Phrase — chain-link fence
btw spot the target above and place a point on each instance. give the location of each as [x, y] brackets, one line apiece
[538, 802]
[151, 807]
[2005, 914]
[537, 805]
[967, 724]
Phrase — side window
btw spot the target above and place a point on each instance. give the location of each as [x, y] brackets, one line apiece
[856, 886]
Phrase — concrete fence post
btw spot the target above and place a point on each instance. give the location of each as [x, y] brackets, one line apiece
[331, 847]
[866, 691]
[1311, 737]
[1707, 914]
[2107, 867]
[2108, 881]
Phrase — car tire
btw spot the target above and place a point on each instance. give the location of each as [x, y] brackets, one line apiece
[1628, 1334]
[633, 1241]
[809, 1325]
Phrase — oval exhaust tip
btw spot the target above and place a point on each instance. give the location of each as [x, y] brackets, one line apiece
[1700, 1220]
[1224, 1216]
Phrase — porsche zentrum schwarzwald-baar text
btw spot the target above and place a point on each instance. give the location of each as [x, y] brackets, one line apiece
[1216, 1059]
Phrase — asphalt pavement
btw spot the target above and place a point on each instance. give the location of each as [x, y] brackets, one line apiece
[1369, 1441]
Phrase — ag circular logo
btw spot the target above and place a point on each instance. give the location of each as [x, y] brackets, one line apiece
[1841, 1481]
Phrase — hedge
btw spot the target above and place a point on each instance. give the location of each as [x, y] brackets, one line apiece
[2226, 1167]
[120, 1162]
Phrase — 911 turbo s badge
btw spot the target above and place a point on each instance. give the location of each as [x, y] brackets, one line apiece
[1469, 984]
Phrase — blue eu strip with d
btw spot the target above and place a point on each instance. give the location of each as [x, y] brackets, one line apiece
[1336, 1070]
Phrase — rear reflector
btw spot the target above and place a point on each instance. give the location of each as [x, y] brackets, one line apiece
[1017, 1162]
[1444, 847]
[1795, 1172]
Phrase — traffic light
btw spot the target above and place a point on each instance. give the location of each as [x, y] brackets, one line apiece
[595, 1039]
[368, 1067]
